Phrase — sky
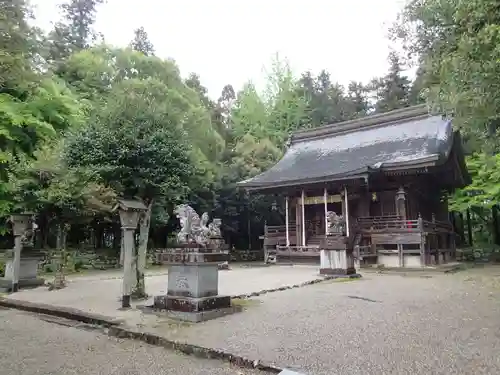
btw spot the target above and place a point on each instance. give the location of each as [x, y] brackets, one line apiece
[232, 41]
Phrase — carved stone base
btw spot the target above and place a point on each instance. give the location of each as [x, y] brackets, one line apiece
[195, 309]
[188, 304]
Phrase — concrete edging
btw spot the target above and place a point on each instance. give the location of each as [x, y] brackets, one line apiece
[306, 283]
[61, 312]
[190, 349]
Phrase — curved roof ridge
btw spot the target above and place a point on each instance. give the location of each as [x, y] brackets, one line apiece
[371, 121]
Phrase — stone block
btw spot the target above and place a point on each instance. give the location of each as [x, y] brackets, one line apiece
[28, 277]
[28, 268]
[193, 280]
[336, 262]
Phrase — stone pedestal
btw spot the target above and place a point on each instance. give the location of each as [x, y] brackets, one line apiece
[335, 258]
[193, 283]
[28, 273]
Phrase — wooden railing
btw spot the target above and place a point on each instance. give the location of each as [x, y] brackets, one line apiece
[276, 234]
[397, 224]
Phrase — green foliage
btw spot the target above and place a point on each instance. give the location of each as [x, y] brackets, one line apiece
[75, 31]
[46, 185]
[457, 43]
[137, 142]
[485, 188]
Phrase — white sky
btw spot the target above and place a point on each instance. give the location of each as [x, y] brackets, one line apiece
[230, 41]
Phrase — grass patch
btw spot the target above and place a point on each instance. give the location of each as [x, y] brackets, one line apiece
[342, 280]
[245, 302]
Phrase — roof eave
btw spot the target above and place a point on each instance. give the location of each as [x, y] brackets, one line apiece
[273, 185]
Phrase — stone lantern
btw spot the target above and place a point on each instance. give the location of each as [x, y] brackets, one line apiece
[129, 211]
[21, 268]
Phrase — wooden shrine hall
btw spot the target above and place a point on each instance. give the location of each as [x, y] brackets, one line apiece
[378, 185]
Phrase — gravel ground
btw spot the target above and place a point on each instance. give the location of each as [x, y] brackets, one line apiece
[382, 324]
[29, 346]
[94, 294]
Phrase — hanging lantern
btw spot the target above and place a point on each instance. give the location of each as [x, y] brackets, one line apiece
[274, 206]
[374, 197]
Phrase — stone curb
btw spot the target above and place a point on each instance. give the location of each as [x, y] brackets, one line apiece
[61, 312]
[311, 282]
[194, 350]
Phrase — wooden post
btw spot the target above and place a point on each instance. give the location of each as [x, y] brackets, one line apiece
[325, 199]
[303, 219]
[422, 240]
[346, 202]
[401, 212]
[287, 223]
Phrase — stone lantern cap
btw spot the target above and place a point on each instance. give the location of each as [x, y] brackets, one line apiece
[21, 222]
[130, 205]
[129, 210]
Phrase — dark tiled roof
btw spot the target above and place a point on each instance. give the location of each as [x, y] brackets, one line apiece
[399, 138]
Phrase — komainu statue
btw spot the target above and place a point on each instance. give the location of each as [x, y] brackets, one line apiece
[334, 223]
[214, 228]
[195, 230]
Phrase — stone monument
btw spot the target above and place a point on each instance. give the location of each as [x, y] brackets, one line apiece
[193, 281]
[335, 256]
[21, 268]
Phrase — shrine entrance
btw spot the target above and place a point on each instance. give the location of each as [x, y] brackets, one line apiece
[314, 214]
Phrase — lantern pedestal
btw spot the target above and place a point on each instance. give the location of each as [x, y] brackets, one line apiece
[28, 273]
[336, 259]
[193, 284]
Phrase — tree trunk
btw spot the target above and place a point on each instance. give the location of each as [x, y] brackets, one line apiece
[62, 235]
[141, 253]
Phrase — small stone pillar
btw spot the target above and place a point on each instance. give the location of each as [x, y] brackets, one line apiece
[129, 217]
[22, 267]
[193, 274]
[19, 226]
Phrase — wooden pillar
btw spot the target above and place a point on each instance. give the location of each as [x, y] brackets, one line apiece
[346, 202]
[401, 212]
[287, 222]
[303, 219]
[325, 199]
[422, 240]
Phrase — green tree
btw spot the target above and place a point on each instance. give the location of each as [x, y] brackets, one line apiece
[393, 90]
[139, 149]
[457, 42]
[141, 42]
[75, 31]
[33, 106]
